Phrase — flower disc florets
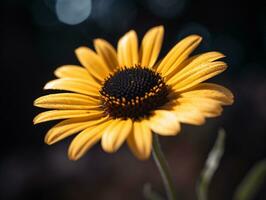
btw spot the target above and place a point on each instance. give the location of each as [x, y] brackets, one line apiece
[133, 92]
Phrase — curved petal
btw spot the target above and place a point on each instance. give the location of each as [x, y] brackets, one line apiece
[164, 122]
[188, 114]
[93, 62]
[85, 140]
[127, 50]
[197, 75]
[69, 101]
[208, 107]
[210, 91]
[73, 71]
[114, 136]
[178, 54]
[73, 85]
[194, 62]
[69, 127]
[107, 53]
[140, 140]
[64, 114]
[194, 110]
[151, 46]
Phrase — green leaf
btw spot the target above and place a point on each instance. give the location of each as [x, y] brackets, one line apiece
[252, 182]
[211, 165]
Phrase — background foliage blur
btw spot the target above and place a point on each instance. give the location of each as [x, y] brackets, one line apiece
[39, 35]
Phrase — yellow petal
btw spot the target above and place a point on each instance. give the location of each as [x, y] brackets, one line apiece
[197, 75]
[178, 54]
[114, 136]
[211, 91]
[107, 53]
[85, 140]
[140, 140]
[186, 113]
[201, 103]
[127, 50]
[64, 114]
[69, 101]
[194, 111]
[84, 98]
[151, 46]
[164, 122]
[69, 127]
[213, 113]
[194, 62]
[93, 62]
[73, 85]
[73, 71]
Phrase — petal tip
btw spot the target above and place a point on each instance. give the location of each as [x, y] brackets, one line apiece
[225, 65]
[47, 86]
[97, 41]
[221, 55]
[143, 157]
[81, 50]
[48, 139]
[77, 50]
[196, 38]
[58, 71]
[72, 158]
[216, 55]
[131, 33]
[35, 120]
[35, 102]
[48, 142]
[74, 152]
[160, 27]
[199, 39]
[72, 155]
[231, 100]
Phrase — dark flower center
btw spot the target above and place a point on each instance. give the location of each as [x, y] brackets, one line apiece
[133, 92]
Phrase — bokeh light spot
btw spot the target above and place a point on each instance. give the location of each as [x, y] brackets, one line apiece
[73, 12]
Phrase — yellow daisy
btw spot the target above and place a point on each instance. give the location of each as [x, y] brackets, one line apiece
[127, 95]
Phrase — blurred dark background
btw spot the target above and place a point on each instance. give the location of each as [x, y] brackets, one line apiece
[39, 35]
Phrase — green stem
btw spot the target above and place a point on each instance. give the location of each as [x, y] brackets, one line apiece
[162, 165]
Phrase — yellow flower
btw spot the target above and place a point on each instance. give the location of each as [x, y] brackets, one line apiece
[127, 95]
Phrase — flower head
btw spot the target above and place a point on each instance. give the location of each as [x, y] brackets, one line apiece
[127, 95]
